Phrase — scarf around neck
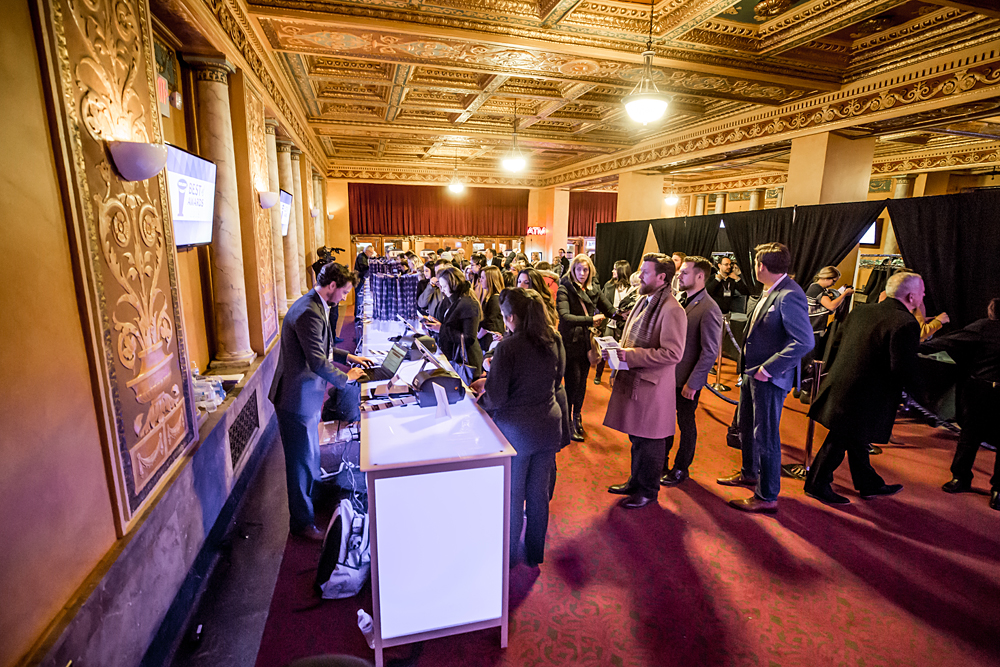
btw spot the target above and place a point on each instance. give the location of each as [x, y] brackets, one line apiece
[639, 327]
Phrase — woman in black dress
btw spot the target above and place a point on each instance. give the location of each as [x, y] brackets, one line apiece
[459, 321]
[524, 397]
[581, 305]
[490, 286]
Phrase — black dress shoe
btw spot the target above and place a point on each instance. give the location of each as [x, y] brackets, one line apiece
[625, 489]
[634, 502]
[597, 380]
[828, 496]
[956, 486]
[673, 477]
[874, 450]
[884, 490]
[995, 499]
[311, 533]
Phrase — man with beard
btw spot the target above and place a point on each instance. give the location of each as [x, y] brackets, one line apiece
[642, 402]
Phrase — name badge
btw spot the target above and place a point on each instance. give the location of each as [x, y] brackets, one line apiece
[727, 292]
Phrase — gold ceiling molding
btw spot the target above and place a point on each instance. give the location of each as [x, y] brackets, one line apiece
[428, 25]
[818, 18]
[318, 38]
[729, 185]
[933, 37]
[427, 177]
[942, 160]
[236, 25]
[942, 82]
[921, 23]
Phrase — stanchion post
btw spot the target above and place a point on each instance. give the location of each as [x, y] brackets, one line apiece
[718, 386]
[817, 369]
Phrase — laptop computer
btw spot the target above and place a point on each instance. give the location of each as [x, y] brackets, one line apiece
[389, 365]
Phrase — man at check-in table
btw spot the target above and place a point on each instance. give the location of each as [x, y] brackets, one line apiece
[299, 386]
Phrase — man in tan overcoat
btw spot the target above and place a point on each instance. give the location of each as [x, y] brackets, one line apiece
[643, 399]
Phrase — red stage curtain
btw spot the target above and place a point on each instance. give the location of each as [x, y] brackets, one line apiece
[587, 209]
[426, 210]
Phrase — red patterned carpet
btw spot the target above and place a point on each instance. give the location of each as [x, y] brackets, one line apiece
[907, 580]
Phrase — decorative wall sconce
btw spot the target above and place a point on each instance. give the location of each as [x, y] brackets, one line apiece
[268, 199]
[314, 212]
[137, 160]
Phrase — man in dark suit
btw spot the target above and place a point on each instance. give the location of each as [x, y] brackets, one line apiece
[778, 336]
[299, 387]
[859, 398]
[704, 331]
[976, 349]
[361, 268]
[492, 259]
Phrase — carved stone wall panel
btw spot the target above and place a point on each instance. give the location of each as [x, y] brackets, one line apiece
[262, 218]
[99, 63]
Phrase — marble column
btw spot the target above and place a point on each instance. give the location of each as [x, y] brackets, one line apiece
[215, 135]
[720, 202]
[319, 222]
[290, 245]
[277, 244]
[757, 199]
[904, 186]
[699, 204]
[903, 190]
[301, 198]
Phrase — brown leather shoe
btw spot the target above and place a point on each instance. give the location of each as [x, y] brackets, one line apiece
[311, 533]
[737, 479]
[756, 505]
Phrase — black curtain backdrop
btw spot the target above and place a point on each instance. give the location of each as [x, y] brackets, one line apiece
[619, 240]
[589, 209]
[425, 210]
[817, 236]
[953, 241]
[692, 235]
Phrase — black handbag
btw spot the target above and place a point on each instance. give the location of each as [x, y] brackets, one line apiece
[464, 370]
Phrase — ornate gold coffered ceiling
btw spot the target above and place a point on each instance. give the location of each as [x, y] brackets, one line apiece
[407, 89]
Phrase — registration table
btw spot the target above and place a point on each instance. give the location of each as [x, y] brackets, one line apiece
[438, 504]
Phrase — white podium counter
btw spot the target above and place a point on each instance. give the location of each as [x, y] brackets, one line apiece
[439, 506]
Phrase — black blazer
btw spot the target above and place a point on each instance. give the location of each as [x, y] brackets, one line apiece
[877, 359]
[576, 310]
[303, 370]
[524, 394]
[361, 265]
[460, 318]
[492, 321]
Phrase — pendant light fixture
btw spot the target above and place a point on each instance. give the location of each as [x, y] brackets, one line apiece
[456, 186]
[514, 160]
[646, 103]
[671, 199]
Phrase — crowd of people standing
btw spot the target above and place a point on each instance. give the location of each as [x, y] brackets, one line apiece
[527, 331]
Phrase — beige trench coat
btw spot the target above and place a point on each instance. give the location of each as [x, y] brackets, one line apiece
[653, 413]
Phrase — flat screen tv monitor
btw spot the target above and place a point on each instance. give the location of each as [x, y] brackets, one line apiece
[285, 202]
[191, 184]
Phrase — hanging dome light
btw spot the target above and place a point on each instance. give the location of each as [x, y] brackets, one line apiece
[456, 186]
[646, 104]
[671, 199]
[514, 160]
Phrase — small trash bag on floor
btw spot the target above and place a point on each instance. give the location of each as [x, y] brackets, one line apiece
[346, 559]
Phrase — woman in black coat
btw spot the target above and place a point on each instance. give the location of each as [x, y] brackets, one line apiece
[524, 396]
[460, 320]
[581, 305]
